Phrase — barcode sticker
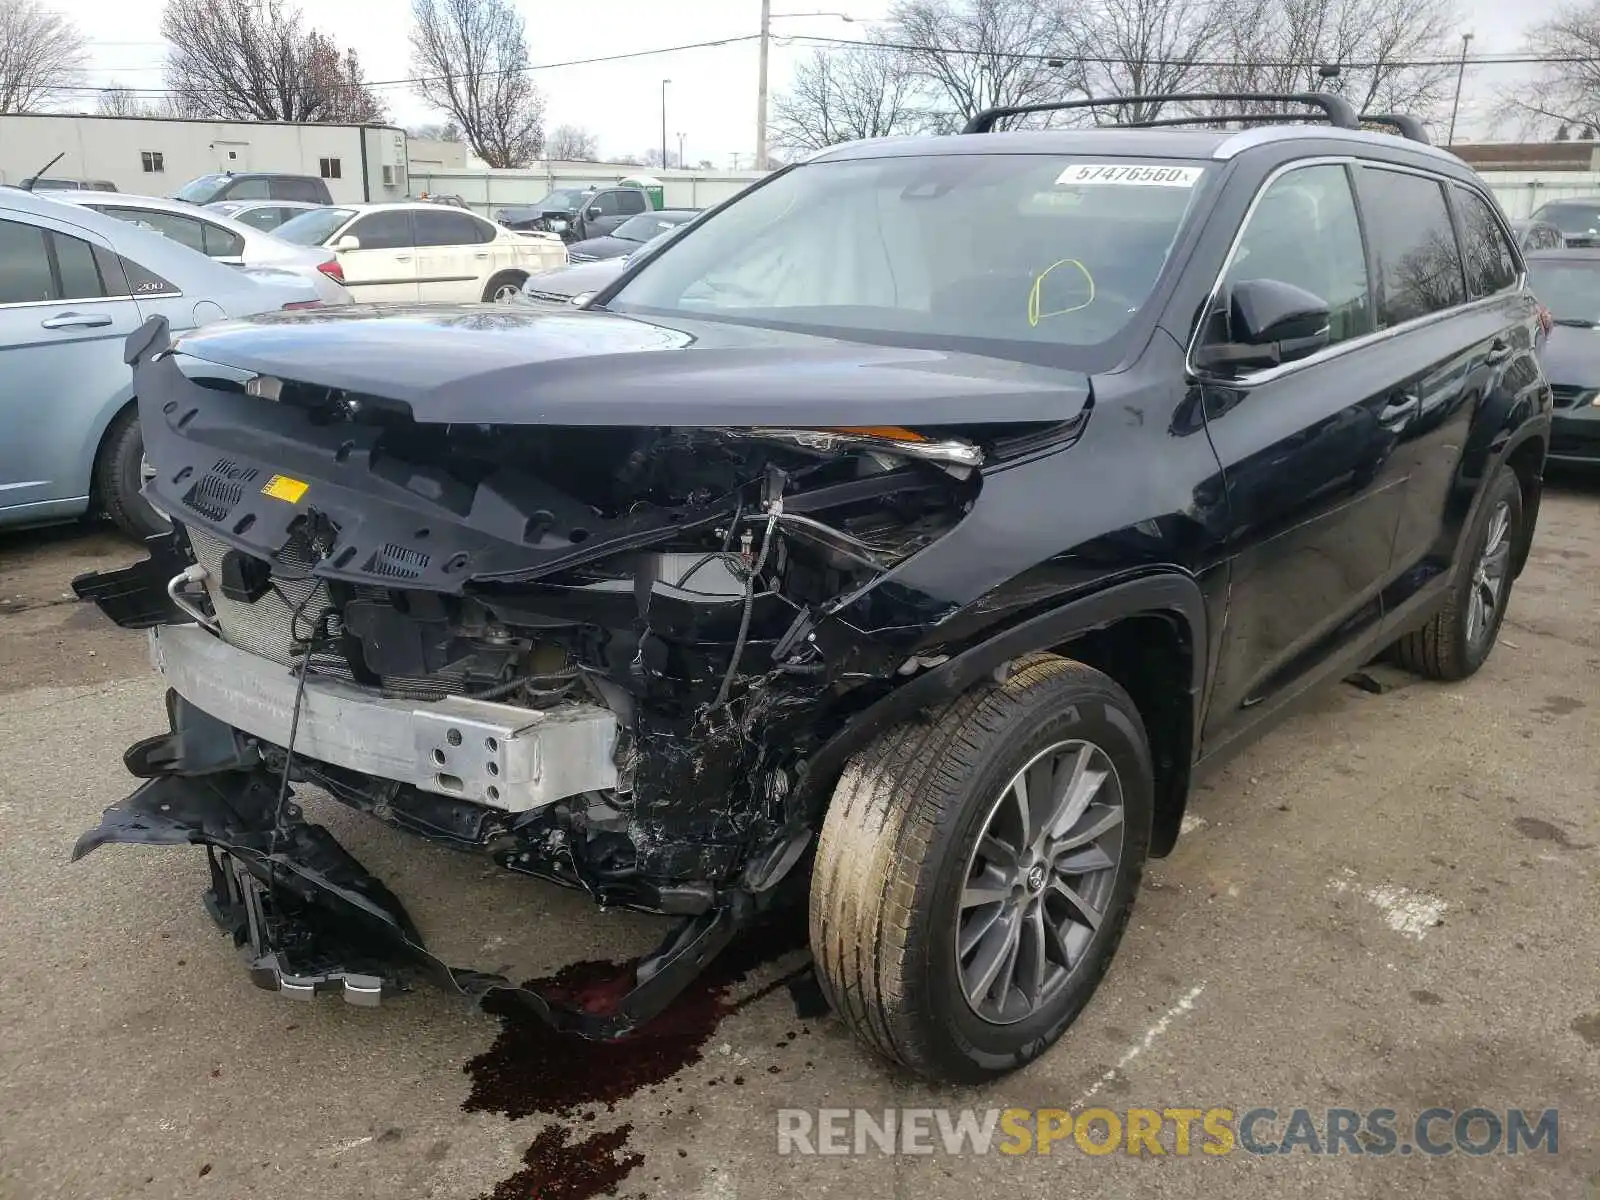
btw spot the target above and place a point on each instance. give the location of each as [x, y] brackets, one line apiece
[1130, 176]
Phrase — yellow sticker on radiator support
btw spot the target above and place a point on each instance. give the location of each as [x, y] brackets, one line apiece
[281, 487]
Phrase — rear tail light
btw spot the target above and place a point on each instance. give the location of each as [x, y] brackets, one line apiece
[332, 270]
[303, 304]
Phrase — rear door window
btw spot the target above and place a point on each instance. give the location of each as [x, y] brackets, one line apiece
[1414, 247]
[24, 264]
[447, 227]
[1491, 265]
[1304, 231]
[80, 277]
[296, 189]
[220, 242]
[254, 188]
[630, 202]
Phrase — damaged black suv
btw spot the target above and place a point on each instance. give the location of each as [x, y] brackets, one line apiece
[912, 531]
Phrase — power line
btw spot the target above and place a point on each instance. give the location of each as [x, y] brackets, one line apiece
[1066, 57]
[383, 83]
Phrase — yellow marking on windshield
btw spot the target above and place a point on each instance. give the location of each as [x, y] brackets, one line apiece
[1034, 315]
[281, 487]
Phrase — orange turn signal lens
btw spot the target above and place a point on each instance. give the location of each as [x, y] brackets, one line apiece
[892, 433]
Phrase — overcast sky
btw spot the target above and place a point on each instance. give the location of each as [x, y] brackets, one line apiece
[711, 99]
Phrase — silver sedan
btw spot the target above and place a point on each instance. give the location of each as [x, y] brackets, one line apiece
[221, 238]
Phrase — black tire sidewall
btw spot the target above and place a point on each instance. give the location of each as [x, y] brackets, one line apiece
[979, 1047]
[123, 477]
[1504, 487]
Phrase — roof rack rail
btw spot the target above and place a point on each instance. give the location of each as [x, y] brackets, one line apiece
[1337, 109]
[1406, 126]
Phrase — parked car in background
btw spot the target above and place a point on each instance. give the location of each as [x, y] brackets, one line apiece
[437, 198]
[220, 237]
[553, 213]
[419, 251]
[254, 185]
[630, 235]
[1567, 282]
[47, 184]
[1578, 219]
[571, 285]
[606, 209]
[265, 215]
[74, 283]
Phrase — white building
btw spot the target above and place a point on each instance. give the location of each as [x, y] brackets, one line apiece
[158, 155]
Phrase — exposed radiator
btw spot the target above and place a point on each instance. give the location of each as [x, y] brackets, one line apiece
[263, 629]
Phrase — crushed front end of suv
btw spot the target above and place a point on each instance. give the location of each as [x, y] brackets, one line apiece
[835, 547]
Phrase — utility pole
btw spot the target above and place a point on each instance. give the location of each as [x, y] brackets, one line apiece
[761, 85]
[664, 83]
[1461, 71]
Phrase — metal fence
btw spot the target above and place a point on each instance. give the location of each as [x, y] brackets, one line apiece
[486, 190]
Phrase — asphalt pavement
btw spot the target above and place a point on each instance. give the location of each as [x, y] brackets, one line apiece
[1393, 901]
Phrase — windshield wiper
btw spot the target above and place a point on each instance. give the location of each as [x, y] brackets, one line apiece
[1577, 322]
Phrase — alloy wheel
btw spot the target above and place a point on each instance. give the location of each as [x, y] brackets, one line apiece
[1039, 881]
[506, 293]
[1489, 577]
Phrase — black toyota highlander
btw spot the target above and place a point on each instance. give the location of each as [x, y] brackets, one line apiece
[858, 545]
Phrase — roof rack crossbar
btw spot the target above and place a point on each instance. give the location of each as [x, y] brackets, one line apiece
[1211, 118]
[1406, 126]
[1337, 109]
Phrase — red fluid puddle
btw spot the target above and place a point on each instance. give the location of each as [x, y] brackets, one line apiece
[557, 1169]
[533, 1069]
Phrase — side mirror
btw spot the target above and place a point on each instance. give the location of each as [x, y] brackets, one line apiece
[348, 242]
[592, 213]
[1269, 322]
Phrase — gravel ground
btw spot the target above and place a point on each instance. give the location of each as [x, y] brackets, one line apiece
[1392, 901]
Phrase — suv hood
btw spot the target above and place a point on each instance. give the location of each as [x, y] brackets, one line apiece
[479, 364]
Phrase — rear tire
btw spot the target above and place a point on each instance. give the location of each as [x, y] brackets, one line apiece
[918, 886]
[1459, 638]
[505, 287]
[119, 474]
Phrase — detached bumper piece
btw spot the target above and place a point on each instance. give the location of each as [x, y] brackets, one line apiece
[307, 917]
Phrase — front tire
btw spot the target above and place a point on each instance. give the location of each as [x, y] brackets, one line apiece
[119, 474]
[975, 872]
[1458, 639]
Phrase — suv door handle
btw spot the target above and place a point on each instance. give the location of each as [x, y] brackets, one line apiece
[73, 320]
[402, 258]
[1400, 408]
[1499, 351]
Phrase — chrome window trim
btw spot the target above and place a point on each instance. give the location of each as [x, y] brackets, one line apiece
[69, 303]
[1267, 374]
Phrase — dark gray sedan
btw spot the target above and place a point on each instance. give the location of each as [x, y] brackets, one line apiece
[1567, 282]
[630, 235]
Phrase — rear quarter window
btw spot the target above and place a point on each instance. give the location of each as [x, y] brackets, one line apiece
[1490, 264]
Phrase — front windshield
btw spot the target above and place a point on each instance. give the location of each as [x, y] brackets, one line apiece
[565, 198]
[1569, 289]
[1014, 247]
[202, 190]
[1571, 219]
[313, 227]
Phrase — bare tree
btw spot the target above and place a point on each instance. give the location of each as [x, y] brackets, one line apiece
[974, 54]
[572, 143]
[119, 102]
[447, 131]
[1564, 93]
[1148, 48]
[842, 95]
[252, 60]
[1281, 46]
[40, 51]
[472, 60]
